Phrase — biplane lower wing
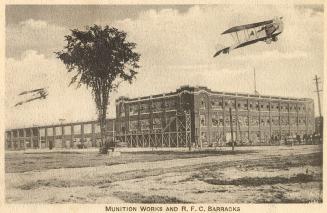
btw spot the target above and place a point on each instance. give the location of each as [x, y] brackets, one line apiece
[29, 100]
[255, 41]
[227, 49]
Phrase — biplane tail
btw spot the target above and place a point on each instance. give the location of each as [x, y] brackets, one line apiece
[221, 49]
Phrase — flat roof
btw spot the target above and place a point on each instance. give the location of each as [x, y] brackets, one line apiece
[199, 89]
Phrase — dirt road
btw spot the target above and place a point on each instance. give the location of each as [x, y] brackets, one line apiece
[267, 174]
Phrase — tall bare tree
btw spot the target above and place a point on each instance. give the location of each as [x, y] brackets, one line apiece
[101, 58]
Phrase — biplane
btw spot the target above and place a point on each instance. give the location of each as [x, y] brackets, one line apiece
[41, 93]
[248, 34]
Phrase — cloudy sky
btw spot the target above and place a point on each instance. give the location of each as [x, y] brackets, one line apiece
[176, 44]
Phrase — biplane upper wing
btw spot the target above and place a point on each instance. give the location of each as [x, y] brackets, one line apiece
[31, 91]
[247, 26]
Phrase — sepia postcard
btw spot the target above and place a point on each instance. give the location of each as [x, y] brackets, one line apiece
[155, 106]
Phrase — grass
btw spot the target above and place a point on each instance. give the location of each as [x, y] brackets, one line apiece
[258, 181]
[24, 162]
[299, 187]
[205, 172]
[131, 197]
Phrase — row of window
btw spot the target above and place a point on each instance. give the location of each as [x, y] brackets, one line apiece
[146, 107]
[245, 137]
[145, 124]
[57, 130]
[244, 105]
[218, 121]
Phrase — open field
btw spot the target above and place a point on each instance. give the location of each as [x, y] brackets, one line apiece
[250, 175]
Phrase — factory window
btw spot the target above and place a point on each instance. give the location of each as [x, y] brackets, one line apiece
[156, 106]
[67, 130]
[216, 103]
[202, 120]
[87, 128]
[77, 129]
[293, 121]
[254, 121]
[284, 121]
[28, 132]
[227, 120]
[50, 131]
[42, 132]
[202, 103]
[170, 104]
[35, 132]
[264, 121]
[145, 124]
[268, 121]
[230, 104]
[243, 120]
[58, 130]
[21, 133]
[15, 134]
[123, 127]
[133, 125]
[133, 109]
[301, 120]
[204, 136]
[242, 105]
[275, 120]
[217, 120]
[157, 123]
[144, 108]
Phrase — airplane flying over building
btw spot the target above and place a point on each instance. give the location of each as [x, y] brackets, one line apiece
[41, 93]
[248, 34]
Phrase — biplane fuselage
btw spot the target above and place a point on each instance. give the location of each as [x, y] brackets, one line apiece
[251, 33]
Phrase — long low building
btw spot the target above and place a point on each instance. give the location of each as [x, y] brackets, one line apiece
[190, 116]
[64, 135]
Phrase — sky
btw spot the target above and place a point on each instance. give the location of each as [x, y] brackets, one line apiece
[176, 43]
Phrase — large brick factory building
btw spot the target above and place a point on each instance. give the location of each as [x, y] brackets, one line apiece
[190, 116]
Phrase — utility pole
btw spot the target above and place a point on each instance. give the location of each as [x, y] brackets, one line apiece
[317, 81]
[320, 121]
[231, 126]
